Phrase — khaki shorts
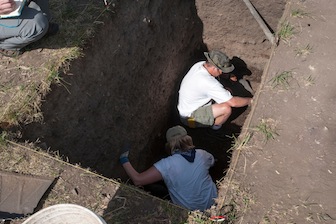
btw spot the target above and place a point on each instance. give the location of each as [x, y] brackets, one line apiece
[202, 117]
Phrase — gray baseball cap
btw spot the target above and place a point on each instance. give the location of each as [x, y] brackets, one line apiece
[175, 133]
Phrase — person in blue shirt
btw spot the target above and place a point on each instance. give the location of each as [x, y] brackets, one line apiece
[185, 172]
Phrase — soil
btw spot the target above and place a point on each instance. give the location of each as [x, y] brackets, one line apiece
[291, 177]
[126, 84]
[115, 202]
[94, 111]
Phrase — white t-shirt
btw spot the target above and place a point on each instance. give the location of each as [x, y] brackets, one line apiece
[189, 184]
[198, 88]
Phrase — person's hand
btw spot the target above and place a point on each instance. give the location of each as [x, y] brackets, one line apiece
[251, 101]
[123, 158]
[233, 78]
[7, 6]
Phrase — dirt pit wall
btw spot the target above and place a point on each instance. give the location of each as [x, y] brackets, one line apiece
[125, 86]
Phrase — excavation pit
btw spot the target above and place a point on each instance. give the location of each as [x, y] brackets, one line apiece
[125, 87]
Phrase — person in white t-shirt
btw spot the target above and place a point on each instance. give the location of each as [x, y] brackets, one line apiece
[203, 101]
[185, 172]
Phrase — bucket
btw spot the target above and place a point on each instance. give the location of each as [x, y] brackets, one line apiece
[65, 214]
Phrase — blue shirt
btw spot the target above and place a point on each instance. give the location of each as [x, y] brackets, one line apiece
[189, 184]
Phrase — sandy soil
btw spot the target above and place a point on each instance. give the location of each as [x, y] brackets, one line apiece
[291, 178]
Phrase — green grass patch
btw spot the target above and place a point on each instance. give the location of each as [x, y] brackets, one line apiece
[286, 32]
[267, 128]
[282, 79]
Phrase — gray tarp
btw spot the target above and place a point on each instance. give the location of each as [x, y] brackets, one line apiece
[20, 194]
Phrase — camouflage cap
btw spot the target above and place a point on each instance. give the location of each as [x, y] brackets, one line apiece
[220, 60]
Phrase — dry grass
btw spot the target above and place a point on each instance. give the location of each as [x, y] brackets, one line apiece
[73, 184]
[240, 142]
[21, 99]
[299, 13]
[310, 80]
[235, 202]
[303, 51]
[303, 212]
[31, 160]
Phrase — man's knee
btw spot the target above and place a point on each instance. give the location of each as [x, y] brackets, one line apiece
[225, 109]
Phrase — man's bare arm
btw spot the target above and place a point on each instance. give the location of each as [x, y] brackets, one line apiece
[237, 101]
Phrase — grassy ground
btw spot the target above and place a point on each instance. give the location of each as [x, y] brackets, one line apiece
[27, 79]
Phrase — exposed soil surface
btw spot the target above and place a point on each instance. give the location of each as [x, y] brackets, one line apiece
[291, 178]
[125, 87]
[115, 202]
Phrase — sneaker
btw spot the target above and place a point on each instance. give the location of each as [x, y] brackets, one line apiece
[10, 53]
[53, 29]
